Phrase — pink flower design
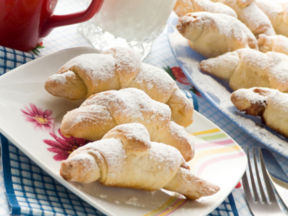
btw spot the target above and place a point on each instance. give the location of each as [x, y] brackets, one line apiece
[63, 146]
[40, 118]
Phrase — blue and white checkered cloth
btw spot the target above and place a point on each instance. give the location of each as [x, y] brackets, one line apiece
[31, 191]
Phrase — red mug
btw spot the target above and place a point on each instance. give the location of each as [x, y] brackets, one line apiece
[24, 22]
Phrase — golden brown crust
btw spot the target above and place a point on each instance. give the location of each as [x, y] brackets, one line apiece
[277, 13]
[245, 104]
[270, 104]
[251, 15]
[250, 69]
[212, 34]
[275, 43]
[150, 167]
[103, 111]
[117, 68]
[182, 7]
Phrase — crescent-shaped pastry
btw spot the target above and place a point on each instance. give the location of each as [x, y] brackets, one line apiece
[105, 110]
[246, 68]
[278, 14]
[251, 15]
[276, 43]
[125, 157]
[270, 104]
[182, 7]
[114, 69]
[212, 34]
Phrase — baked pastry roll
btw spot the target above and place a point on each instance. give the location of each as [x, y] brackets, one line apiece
[103, 111]
[276, 43]
[119, 68]
[212, 34]
[182, 7]
[270, 104]
[246, 68]
[278, 14]
[251, 15]
[125, 157]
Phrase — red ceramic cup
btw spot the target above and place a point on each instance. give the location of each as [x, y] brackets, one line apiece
[24, 22]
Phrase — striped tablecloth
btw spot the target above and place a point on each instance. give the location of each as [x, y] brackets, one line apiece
[31, 191]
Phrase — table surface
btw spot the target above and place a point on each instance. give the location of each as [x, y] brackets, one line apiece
[68, 36]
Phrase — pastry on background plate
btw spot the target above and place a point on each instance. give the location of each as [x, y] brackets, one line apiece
[251, 15]
[212, 34]
[103, 111]
[182, 7]
[276, 43]
[246, 68]
[270, 104]
[119, 68]
[125, 157]
[277, 13]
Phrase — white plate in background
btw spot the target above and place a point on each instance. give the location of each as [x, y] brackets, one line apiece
[218, 92]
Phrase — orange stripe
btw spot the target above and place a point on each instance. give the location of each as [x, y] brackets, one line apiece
[215, 152]
[220, 158]
[173, 208]
[214, 130]
[162, 207]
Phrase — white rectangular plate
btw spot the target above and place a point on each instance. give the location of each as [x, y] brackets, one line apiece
[29, 115]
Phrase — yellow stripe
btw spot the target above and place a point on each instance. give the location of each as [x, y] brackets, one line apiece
[173, 208]
[162, 207]
[206, 153]
[214, 130]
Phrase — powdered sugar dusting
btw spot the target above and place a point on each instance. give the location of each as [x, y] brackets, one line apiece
[126, 59]
[271, 8]
[179, 133]
[226, 25]
[251, 95]
[219, 95]
[96, 66]
[134, 130]
[279, 68]
[61, 78]
[264, 96]
[185, 6]
[130, 104]
[215, 7]
[281, 101]
[88, 113]
[167, 156]
[88, 162]
[253, 17]
[136, 103]
[154, 78]
[114, 154]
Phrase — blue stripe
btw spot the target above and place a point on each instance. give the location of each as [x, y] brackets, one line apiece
[12, 201]
[233, 205]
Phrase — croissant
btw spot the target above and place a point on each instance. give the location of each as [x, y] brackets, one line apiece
[125, 157]
[103, 111]
[276, 43]
[119, 68]
[212, 34]
[246, 68]
[277, 13]
[251, 15]
[182, 7]
[270, 104]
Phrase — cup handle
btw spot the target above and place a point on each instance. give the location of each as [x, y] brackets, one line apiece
[60, 20]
